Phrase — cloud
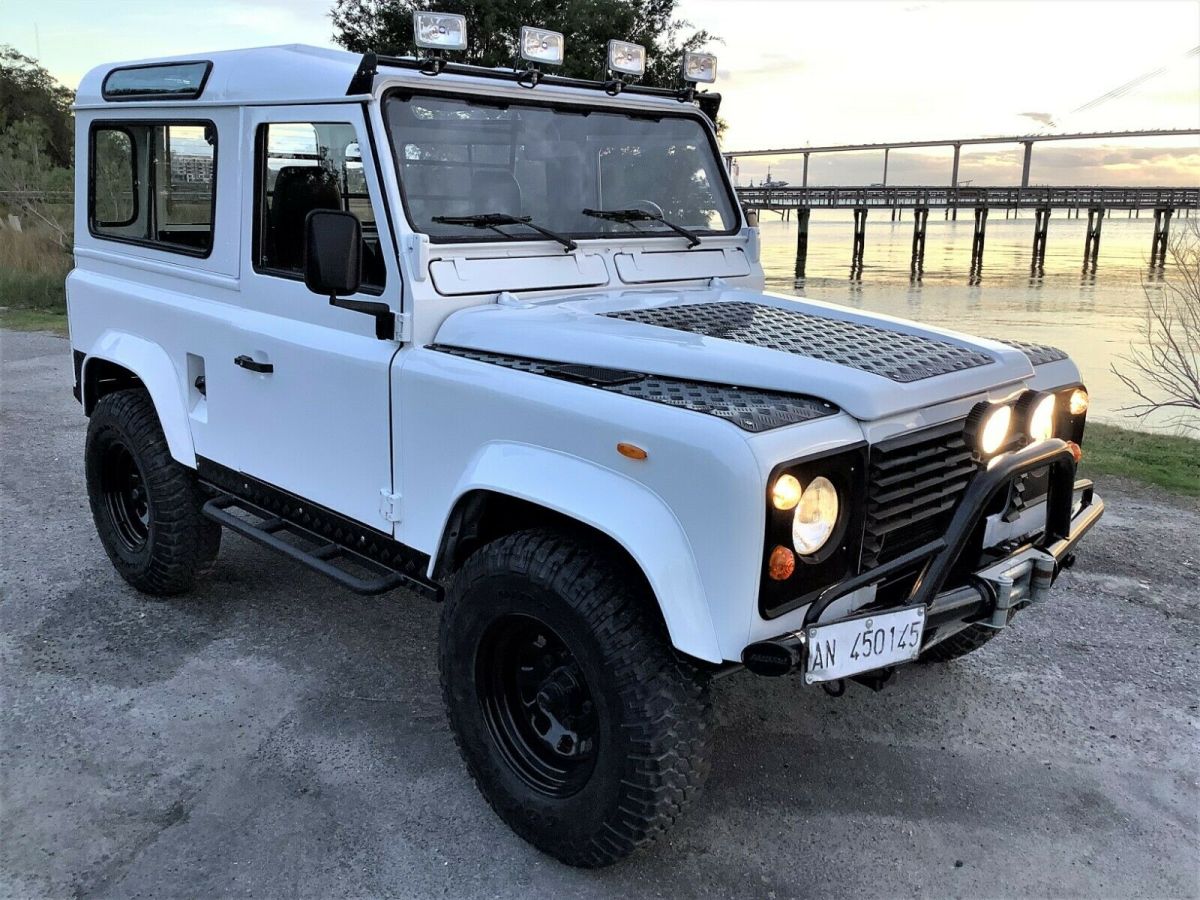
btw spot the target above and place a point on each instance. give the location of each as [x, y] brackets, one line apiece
[1040, 117]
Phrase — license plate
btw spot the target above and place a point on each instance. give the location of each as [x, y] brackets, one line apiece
[875, 641]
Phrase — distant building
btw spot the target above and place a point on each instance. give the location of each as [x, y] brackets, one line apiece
[191, 169]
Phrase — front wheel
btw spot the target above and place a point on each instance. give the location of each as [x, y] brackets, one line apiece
[966, 641]
[582, 729]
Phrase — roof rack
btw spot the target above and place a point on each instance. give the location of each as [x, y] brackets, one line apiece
[368, 67]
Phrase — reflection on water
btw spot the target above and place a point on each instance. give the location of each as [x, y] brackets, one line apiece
[1091, 312]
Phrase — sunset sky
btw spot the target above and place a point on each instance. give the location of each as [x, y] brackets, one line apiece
[797, 73]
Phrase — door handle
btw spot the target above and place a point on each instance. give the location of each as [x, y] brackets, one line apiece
[249, 362]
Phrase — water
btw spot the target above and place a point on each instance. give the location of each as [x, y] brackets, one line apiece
[1094, 316]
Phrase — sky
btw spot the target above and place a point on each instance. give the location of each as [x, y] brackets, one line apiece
[813, 72]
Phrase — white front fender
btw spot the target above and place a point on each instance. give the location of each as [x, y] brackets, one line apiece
[150, 363]
[624, 509]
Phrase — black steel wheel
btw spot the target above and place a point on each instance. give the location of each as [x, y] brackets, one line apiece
[146, 506]
[581, 727]
[124, 491]
[537, 705]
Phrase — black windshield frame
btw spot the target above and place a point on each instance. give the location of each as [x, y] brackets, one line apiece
[691, 114]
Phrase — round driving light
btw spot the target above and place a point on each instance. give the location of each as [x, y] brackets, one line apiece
[991, 428]
[1078, 404]
[816, 516]
[1041, 419]
[786, 492]
[781, 564]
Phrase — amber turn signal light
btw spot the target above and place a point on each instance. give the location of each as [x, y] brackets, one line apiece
[631, 451]
[782, 564]
[1076, 451]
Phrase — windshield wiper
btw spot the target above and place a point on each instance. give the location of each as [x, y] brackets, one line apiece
[628, 216]
[494, 220]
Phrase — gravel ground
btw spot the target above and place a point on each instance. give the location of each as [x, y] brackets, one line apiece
[273, 736]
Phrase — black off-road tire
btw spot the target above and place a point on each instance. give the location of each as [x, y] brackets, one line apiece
[651, 712]
[154, 532]
[966, 641]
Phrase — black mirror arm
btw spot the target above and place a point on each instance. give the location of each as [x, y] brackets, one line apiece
[385, 319]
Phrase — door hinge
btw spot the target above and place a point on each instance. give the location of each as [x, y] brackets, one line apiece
[389, 505]
[416, 248]
[403, 327]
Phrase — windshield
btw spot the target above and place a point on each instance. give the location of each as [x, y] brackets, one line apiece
[461, 158]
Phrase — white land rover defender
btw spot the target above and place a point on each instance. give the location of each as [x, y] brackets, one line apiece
[499, 338]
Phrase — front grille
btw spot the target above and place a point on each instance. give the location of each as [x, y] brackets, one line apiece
[915, 484]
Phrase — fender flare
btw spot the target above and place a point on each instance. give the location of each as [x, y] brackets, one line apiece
[151, 364]
[626, 510]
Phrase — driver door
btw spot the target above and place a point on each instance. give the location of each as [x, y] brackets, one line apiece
[311, 382]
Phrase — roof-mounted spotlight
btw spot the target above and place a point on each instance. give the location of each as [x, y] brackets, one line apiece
[699, 68]
[624, 60]
[437, 33]
[539, 47]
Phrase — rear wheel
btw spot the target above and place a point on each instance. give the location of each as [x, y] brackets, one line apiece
[146, 506]
[580, 726]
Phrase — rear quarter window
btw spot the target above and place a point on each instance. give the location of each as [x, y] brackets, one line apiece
[154, 183]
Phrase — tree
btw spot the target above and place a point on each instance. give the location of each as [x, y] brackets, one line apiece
[30, 95]
[493, 27]
[1163, 369]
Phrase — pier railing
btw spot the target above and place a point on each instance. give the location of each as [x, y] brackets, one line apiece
[968, 197]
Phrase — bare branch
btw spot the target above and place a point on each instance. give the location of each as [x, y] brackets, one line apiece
[1162, 369]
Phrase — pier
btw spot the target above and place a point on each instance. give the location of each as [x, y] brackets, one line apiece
[1097, 202]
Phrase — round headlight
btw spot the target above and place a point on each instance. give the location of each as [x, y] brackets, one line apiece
[816, 516]
[993, 433]
[786, 492]
[1041, 419]
[1078, 403]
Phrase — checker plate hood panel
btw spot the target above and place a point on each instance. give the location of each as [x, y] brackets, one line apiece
[870, 365]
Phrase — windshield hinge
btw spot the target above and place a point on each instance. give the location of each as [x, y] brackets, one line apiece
[403, 327]
[416, 248]
[389, 505]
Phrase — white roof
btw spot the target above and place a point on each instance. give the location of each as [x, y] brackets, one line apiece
[288, 73]
[299, 73]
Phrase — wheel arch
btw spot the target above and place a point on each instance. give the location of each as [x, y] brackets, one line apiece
[512, 487]
[119, 361]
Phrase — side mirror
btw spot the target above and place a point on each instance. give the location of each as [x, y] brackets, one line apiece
[332, 252]
[333, 266]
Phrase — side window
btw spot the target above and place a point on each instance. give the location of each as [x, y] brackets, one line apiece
[185, 155]
[302, 166]
[154, 183]
[114, 197]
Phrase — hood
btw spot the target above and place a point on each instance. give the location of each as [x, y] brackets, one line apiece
[869, 365]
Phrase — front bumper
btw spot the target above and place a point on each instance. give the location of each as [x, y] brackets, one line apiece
[993, 593]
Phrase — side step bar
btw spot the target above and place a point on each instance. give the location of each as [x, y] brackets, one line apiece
[316, 551]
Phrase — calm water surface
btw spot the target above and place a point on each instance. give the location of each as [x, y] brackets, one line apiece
[1094, 316]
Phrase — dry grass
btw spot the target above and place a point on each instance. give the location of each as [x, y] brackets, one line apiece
[33, 270]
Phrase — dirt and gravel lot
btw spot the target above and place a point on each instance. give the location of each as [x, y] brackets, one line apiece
[273, 736]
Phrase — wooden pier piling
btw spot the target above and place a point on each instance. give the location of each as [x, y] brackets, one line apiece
[802, 216]
[1091, 243]
[920, 220]
[977, 241]
[1158, 243]
[860, 240]
[1041, 224]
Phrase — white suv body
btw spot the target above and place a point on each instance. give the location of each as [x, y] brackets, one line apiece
[643, 389]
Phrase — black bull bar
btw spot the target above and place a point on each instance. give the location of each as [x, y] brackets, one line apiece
[935, 560]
